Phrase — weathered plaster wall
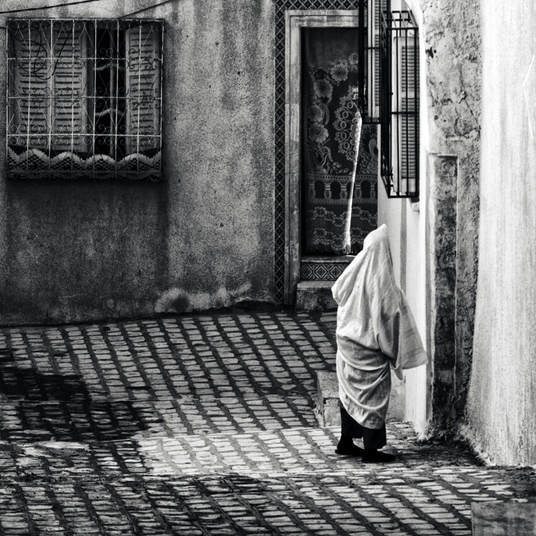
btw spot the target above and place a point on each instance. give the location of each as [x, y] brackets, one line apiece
[203, 237]
[82, 250]
[452, 36]
[221, 172]
[502, 396]
[442, 294]
[443, 225]
[450, 104]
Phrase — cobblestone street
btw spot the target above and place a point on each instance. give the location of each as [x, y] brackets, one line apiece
[205, 424]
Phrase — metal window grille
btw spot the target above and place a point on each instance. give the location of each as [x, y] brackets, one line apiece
[376, 11]
[399, 105]
[84, 98]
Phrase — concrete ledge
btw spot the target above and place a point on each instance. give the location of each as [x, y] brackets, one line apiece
[315, 296]
[327, 399]
[504, 518]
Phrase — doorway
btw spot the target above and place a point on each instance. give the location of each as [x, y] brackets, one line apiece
[325, 85]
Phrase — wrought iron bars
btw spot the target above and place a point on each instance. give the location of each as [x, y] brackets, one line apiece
[84, 98]
[399, 105]
[376, 11]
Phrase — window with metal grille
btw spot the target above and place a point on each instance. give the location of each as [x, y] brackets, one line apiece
[377, 10]
[393, 95]
[84, 98]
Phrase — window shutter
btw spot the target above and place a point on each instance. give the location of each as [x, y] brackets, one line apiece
[143, 44]
[30, 114]
[69, 88]
[399, 117]
[49, 85]
[377, 9]
[406, 113]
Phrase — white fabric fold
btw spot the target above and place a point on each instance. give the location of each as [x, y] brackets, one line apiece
[375, 330]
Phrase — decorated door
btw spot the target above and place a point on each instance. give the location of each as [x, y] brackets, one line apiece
[330, 95]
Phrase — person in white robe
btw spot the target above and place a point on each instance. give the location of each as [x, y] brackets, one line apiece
[375, 331]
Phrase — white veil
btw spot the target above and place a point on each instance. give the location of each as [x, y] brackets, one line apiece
[373, 312]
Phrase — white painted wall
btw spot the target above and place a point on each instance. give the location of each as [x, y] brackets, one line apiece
[406, 222]
[406, 225]
[502, 397]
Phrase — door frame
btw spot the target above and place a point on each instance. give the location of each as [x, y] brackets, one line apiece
[295, 20]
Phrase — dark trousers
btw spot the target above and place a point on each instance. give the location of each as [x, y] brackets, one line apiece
[372, 439]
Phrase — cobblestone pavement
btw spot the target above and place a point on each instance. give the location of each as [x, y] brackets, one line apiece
[205, 424]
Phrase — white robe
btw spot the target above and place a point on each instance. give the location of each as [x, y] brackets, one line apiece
[375, 330]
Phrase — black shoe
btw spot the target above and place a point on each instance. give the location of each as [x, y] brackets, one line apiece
[349, 450]
[373, 456]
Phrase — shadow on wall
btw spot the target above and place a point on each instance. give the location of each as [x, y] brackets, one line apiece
[35, 406]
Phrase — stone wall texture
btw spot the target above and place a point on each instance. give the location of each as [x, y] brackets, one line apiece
[452, 50]
[203, 237]
[443, 175]
[502, 396]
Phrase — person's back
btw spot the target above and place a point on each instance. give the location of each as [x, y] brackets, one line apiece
[375, 330]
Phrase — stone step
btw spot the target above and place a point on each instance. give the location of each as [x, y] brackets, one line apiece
[315, 296]
[327, 399]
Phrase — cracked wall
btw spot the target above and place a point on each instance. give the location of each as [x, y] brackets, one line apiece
[455, 92]
[450, 46]
[203, 237]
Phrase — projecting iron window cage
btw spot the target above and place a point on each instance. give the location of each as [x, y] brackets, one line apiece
[84, 98]
[399, 104]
